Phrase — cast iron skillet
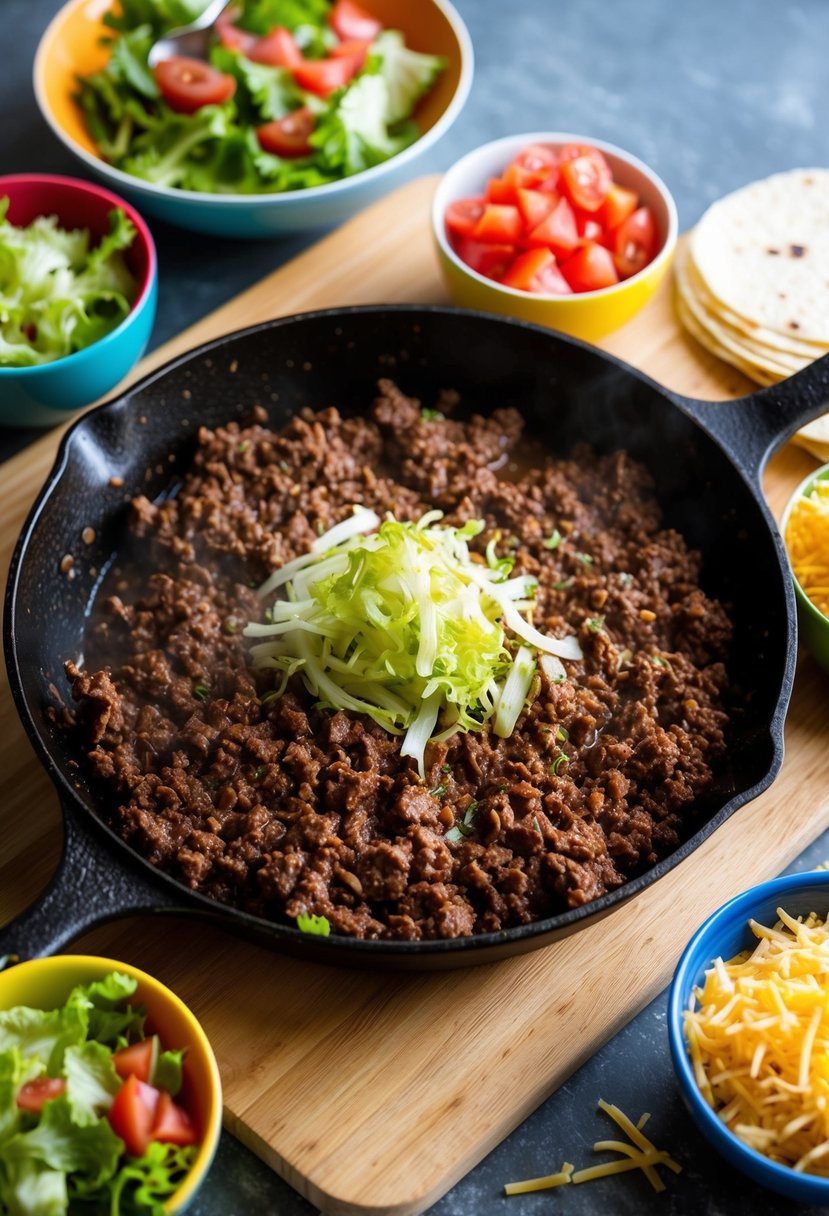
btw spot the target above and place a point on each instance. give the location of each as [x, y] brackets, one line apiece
[706, 458]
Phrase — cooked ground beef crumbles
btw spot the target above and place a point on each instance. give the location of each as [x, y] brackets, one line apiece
[280, 806]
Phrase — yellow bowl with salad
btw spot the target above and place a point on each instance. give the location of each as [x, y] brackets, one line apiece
[304, 112]
[116, 1091]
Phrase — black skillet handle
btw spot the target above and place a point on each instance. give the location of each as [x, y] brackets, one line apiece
[89, 887]
[752, 428]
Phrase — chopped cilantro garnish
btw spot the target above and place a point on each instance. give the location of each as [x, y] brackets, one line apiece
[585, 559]
[561, 759]
[595, 623]
[554, 540]
[309, 923]
[200, 691]
[428, 415]
[439, 791]
[243, 447]
[260, 772]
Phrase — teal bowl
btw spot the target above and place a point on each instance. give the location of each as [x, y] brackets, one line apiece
[813, 625]
[51, 392]
[725, 934]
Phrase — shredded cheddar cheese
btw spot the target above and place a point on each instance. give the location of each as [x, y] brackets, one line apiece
[758, 1038]
[637, 1153]
[807, 540]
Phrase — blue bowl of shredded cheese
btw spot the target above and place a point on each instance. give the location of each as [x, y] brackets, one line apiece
[748, 1024]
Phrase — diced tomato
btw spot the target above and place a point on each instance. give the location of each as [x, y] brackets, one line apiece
[549, 281]
[619, 204]
[558, 231]
[590, 268]
[635, 242]
[230, 34]
[500, 223]
[132, 1114]
[589, 228]
[532, 165]
[499, 190]
[172, 1124]
[278, 49]
[139, 1059]
[188, 84]
[586, 180]
[288, 136]
[492, 261]
[525, 267]
[572, 151]
[35, 1094]
[324, 76]
[552, 182]
[534, 205]
[463, 214]
[349, 20]
[355, 49]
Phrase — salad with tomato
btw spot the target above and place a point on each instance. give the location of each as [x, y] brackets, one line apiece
[295, 93]
[554, 222]
[90, 1121]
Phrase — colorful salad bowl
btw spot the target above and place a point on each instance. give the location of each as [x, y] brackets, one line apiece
[46, 984]
[44, 394]
[586, 314]
[72, 46]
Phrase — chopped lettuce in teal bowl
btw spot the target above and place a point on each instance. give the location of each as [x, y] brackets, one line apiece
[78, 291]
[301, 112]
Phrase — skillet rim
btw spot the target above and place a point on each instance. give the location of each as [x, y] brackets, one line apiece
[519, 937]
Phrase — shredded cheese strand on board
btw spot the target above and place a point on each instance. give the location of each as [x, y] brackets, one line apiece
[758, 1039]
[807, 539]
[641, 1154]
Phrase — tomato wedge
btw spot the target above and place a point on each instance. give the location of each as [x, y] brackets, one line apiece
[634, 242]
[172, 1124]
[500, 223]
[532, 166]
[586, 180]
[619, 204]
[348, 20]
[288, 136]
[35, 1094]
[278, 49]
[463, 214]
[324, 76]
[558, 231]
[188, 84]
[230, 34]
[132, 1114]
[590, 268]
[549, 281]
[492, 261]
[352, 48]
[525, 267]
[499, 190]
[139, 1059]
[535, 205]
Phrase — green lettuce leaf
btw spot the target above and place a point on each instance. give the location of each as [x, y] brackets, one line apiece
[353, 135]
[260, 16]
[58, 1142]
[91, 1081]
[109, 1014]
[42, 1034]
[30, 1188]
[408, 74]
[168, 1071]
[160, 15]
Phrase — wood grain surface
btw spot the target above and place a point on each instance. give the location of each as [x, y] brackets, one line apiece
[372, 1092]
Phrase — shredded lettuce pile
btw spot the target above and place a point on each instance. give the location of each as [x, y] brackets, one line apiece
[400, 622]
[67, 1158]
[58, 295]
[216, 148]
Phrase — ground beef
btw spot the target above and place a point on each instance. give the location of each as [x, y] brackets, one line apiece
[280, 806]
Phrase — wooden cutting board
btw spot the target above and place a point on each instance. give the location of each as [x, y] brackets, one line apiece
[370, 1092]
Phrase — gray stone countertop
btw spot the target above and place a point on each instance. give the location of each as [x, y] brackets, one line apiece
[712, 94]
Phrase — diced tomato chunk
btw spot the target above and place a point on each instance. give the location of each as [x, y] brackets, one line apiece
[549, 281]
[132, 1114]
[349, 20]
[288, 136]
[500, 223]
[355, 49]
[590, 268]
[139, 1059]
[230, 34]
[589, 228]
[619, 204]
[525, 267]
[324, 76]
[635, 242]
[35, 1094]
[558, 231]
[499, 190]
[172, 1124]
[278, 49]
[534, 205]
[463, 214]
[533, 165]
[492, 261]
[586, 180]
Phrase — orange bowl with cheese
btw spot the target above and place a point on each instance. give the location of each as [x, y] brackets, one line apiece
[805, 528]
[748, 1023]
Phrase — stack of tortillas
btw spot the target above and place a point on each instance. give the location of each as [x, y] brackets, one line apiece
[753, 281]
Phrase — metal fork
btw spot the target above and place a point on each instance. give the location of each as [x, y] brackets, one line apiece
[191, 40]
